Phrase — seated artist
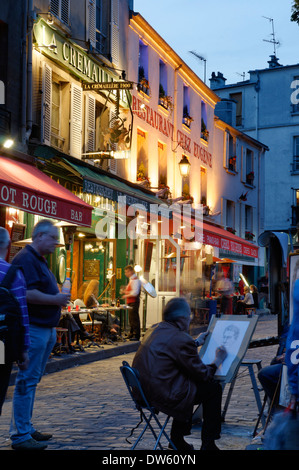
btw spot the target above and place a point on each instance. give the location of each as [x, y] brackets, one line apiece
[247, 302]
[269, 376]
[175, 379]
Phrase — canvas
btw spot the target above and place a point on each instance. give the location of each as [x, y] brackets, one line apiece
[234, 332]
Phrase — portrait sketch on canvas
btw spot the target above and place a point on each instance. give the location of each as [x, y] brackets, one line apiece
[234, 333]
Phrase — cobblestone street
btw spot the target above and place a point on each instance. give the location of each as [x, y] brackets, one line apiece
[88, 407]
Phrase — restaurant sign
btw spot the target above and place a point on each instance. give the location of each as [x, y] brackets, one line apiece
[66, 53]
[159, 122]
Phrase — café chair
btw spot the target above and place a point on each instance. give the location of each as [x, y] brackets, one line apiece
[147, 412]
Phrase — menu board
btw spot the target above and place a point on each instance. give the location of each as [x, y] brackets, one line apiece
[17, 234]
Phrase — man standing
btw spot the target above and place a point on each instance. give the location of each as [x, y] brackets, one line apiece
[132, 296]
[18, 289]
[174, 378]
[44, 302]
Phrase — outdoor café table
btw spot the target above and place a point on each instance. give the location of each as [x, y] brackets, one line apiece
[122, 316]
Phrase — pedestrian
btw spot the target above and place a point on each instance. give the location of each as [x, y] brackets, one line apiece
[224, 287]
[18, 289]
[132, 297]
[44, 302]
[175, 379]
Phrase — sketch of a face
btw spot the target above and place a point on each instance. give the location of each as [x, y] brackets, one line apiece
[230, 336]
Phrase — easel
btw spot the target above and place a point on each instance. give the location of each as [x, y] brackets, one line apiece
[249, 363]
[227, 328]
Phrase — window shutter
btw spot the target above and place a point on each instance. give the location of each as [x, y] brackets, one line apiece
[54, 7]
[91, 22]
[76, 121]
[65, 11]
[61, 9]
[115, 31]
[46, 104]
[90, 108]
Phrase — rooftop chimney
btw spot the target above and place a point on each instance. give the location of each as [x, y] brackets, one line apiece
[217, 81]
[273, 62]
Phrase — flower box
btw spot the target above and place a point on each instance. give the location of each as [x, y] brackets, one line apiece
[249, 235]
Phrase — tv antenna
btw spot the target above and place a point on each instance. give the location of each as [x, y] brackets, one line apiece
[273, 40]
[241, 75]
[204, 60]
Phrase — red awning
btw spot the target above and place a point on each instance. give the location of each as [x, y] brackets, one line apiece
[218, 237]
[25, 187]
[225, 240]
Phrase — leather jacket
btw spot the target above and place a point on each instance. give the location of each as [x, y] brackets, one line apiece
[170, 369]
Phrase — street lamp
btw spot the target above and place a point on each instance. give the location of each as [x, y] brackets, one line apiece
[184, 166]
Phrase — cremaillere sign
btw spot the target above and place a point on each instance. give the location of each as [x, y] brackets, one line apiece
[65, 52]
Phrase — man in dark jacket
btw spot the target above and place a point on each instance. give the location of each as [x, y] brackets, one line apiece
[174, 378]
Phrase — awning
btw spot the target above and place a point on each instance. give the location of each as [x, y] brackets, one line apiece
[25, 187]
[112, 188]
[225, 240]
[209, 234]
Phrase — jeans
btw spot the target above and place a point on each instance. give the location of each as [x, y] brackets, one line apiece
[42, 341]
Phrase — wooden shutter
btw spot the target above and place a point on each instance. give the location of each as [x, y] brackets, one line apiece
[91, 22]
[61, 9]
[90, 109]
[115, 31]
[76, 121]
[46, 104]
[65, 11]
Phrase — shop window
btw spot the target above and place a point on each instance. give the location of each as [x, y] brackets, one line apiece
[143, 82]
[296, 154]
[61, 9]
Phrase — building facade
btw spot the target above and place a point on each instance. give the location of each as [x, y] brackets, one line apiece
[175, 122]
[111, 113]
[266, 108]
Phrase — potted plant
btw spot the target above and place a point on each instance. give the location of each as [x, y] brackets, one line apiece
[232, 163]
[143, 84]
[187, 119]
[231, 230]
[250, 178]
[249, 235]
[165, 100]
[204, 131]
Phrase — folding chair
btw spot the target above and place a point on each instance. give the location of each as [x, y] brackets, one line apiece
[147, 412]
